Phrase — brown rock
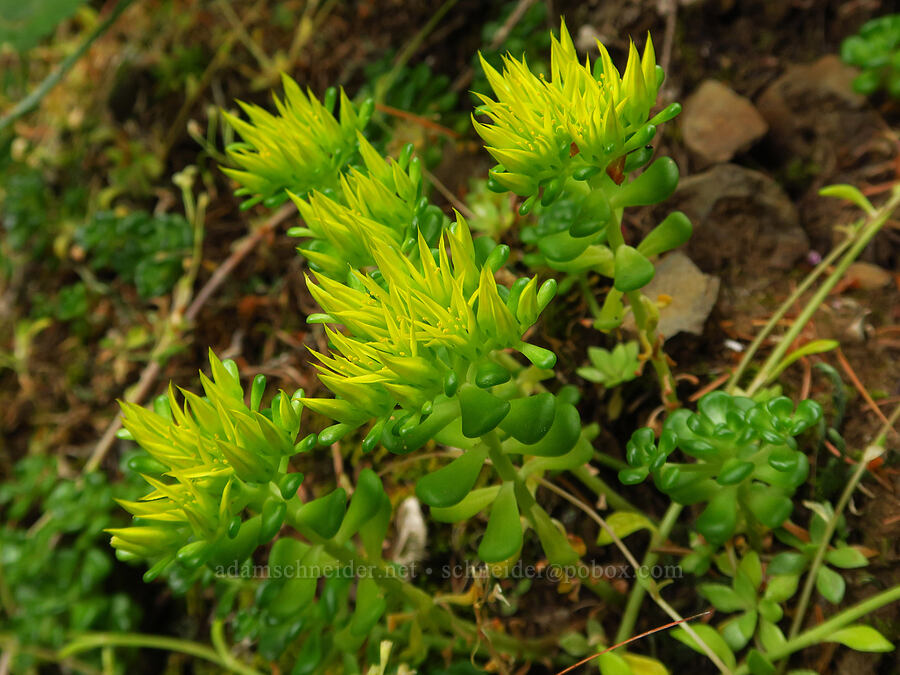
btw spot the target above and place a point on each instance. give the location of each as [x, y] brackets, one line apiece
[742, 219]
[717, 123]
[693, 295]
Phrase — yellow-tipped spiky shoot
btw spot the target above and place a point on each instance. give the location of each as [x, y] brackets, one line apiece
[581, 119]
[409, 325]
[303, 147]
[203, 459]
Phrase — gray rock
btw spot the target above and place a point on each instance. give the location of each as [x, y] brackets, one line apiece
[693, 295]
[717, 123]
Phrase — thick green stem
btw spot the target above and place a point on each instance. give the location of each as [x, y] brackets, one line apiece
[868, 232]
[649, 338]
[824, 630]
[638, 590]
[589, 298]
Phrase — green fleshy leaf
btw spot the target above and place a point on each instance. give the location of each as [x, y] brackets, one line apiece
[559, 439]
[759, 664]
[781, 587]
[770, 610]
[611, 663]
[490, 374]
[562, 246]
[672, 232]
[364, 504]
[769, 506]
[503, 537]
[737, 631]
[231, 551]
[530, 418]
[722, 597]
[846, 557]
[633, 270]
[862, 639]
[734, 471]
[450, 484]
[293, 597]
[370, 605]
[651, 187]
[272, 519]
[539, 357]
[719, 518]
[593, 215]
[751, 567]
[713, 640]
[787, 563]
[481, 411]
[771, 636]
[470, 506]
[323, 515]
[830, 584]
[555, 544]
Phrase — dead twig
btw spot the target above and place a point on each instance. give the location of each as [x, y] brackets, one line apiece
[845, 365]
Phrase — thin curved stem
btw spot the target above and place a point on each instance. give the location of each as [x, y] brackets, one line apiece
[88, 641]
[649, 585]
[751, 350]
[601, 488]
[651, 557]
[30, 102]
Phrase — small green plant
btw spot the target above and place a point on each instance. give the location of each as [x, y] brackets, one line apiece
[216, 448]
[748, 464]
[56, 571]
[612, 368]
[302, 148]
[876, 51]
[829, 583]
[140, 248]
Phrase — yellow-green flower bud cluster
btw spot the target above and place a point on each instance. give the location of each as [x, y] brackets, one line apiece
[206, 462]
[412, 327]
[580, 121]
[301, 148]
[383, 202]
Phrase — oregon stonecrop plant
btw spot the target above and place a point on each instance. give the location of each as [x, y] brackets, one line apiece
[426, 347]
